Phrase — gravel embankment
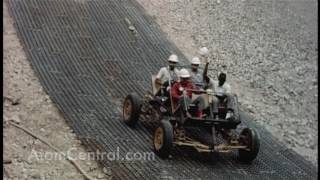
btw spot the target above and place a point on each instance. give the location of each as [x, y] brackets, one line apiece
[270, 50]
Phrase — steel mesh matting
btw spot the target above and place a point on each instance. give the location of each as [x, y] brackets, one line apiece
[88, 60]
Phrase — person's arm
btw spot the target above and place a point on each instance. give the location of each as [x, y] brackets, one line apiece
[194, 87]
[175, 91]
[210, 84]
[158, 81]
[159, 77]
[228, 89]
[205, 73]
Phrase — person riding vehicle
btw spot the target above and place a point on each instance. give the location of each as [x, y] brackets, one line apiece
[181, 93]
[196, 73]
[220, 87]
[223, 93]
[168, 73]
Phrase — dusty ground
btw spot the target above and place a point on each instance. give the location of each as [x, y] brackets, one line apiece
[32, 108]
[270, 50]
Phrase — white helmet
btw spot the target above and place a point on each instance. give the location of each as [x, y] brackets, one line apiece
[195, 61]
[173, 58]
[203, 51]
[184, 73]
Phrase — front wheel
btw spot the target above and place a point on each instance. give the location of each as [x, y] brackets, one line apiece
[163, 139]
[131, 110]
[250, 138]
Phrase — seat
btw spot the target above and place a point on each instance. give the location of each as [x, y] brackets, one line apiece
[205, 97]
[222, 109]
[155, 87]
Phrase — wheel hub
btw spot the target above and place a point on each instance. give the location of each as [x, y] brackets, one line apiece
[127, 109]
[158, 138]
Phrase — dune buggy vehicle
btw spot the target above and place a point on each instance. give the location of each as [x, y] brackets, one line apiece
[173, 124]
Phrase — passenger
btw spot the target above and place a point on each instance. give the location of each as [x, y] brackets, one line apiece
[222, 92]
[195, 73]
[182, 95]
[168, 73]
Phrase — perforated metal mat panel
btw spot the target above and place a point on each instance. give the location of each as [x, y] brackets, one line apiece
[88, 60]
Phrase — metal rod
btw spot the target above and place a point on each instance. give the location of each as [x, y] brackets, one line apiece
[189, 66]
[213, 134]
[171, 104]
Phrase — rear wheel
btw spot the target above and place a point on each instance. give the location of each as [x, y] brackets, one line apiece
[163, 139]
[250, 138]
[131, 110]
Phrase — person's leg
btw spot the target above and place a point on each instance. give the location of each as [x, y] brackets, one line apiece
[184, 103]
[215, 105]
[200, 102]
[230, 106]
[230, 101]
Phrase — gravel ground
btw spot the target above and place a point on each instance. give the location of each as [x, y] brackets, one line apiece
[270, 52]
[26, 103]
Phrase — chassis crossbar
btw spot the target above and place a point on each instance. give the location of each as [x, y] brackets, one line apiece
[223, 148]
[199, 122]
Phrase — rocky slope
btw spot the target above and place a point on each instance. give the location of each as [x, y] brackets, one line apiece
[270, 52]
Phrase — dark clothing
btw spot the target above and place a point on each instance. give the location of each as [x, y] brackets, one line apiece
[163, 90]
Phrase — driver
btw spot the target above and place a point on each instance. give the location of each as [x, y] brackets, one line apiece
[182, 96]
[168, 73]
